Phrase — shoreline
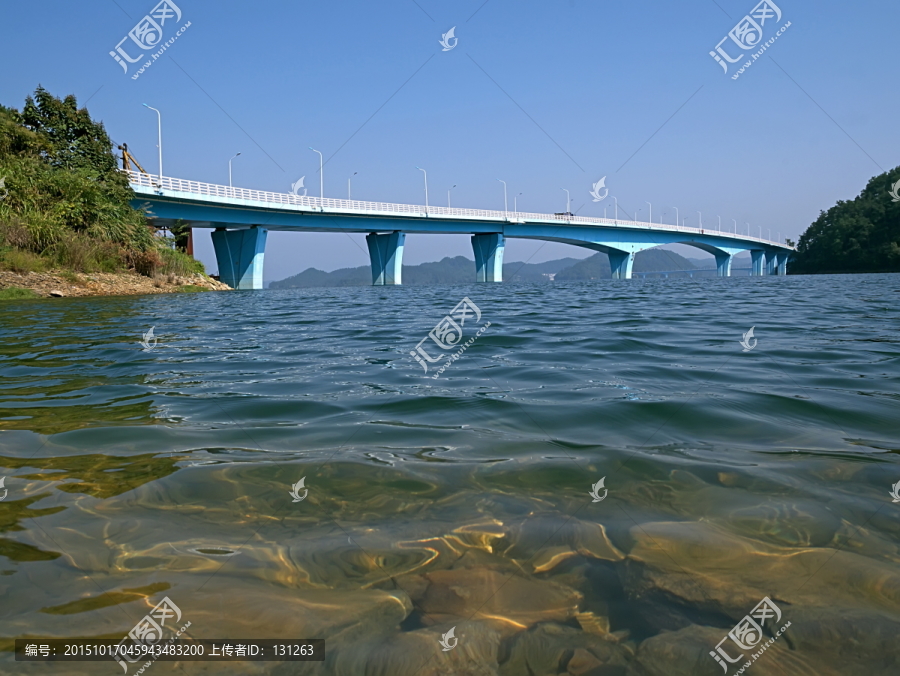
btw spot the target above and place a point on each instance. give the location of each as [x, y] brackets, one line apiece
[65, 284]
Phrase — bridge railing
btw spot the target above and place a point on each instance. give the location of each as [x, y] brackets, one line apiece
[228, 192]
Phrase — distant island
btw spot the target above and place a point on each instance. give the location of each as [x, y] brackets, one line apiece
[461, 270]
[860, 235]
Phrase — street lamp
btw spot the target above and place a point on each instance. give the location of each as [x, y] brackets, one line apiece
[720, 224]
[229, 170]
[448, 195]
[676, 216]
[735, 225]
[700, 221]
[159, 144]
[651, 213]
[348, 184]
[516, 203]
[321, 173]
[426, 187]
[505, 203]
[568, 201]
[617, 209]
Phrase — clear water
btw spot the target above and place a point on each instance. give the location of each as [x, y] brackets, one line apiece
[462, 501]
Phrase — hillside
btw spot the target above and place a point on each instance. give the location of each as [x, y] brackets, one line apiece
[457, 270]
[862, 235]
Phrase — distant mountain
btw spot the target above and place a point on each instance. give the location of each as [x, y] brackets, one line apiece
[597, 266]
[458, 270]
[461, 270]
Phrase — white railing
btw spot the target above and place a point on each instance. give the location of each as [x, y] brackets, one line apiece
[389, 208]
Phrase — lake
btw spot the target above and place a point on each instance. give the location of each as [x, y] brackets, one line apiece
[606, 478]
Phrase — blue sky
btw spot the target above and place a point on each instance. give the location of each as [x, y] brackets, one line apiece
[545, 95]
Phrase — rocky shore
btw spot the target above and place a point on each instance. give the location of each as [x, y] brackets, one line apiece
[64, 284]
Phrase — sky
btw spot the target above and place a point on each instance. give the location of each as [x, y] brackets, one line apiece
[543, 95]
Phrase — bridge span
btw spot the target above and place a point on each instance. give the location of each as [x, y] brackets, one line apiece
[241, 218]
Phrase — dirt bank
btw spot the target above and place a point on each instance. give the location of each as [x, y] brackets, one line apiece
[104, 283]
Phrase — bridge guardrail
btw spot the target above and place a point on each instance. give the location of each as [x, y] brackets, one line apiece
[228, 192]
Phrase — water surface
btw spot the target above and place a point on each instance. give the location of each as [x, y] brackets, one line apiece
[461, 501]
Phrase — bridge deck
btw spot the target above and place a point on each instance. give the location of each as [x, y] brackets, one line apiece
[147, 184]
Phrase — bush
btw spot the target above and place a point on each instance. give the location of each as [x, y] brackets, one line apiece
[178, 263]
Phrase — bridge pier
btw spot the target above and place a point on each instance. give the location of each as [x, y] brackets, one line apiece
[771, 263]
[488, 257]
[757, 261]
[723, 264]
[621, 263]
[386, 256]
[240, 254]
[782, 261]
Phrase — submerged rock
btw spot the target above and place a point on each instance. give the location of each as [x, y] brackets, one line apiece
[557, 649]
[540, 543]
[713, 575]
[509, 602]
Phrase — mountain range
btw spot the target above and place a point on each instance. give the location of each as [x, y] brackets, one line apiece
[461, 270]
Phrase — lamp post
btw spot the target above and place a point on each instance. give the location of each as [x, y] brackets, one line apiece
[229, 170]
[505, 203]
[426, 187]
[516, 203]
[651, 213]
[568, 201]
[720, 224]
[348, 184]
[448, 195]
[735, 225]
[700, 221]
[321, 173]
[617, 209]
[159, 143]
[676, 216]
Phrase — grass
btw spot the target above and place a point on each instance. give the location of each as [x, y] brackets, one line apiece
[191, 288]
[15, 293]
[21, 261]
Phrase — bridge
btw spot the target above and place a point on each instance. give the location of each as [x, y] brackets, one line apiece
[241, 218]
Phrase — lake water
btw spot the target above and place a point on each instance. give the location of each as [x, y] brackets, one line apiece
[730, 476]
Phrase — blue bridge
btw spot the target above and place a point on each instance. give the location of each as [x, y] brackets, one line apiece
[241, 218]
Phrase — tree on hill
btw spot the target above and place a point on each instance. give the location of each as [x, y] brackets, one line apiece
[66, 204]
[860, 235]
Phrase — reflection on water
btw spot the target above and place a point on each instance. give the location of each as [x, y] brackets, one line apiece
[462, 502]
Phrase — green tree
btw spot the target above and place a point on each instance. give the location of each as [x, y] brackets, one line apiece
[860, 235]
